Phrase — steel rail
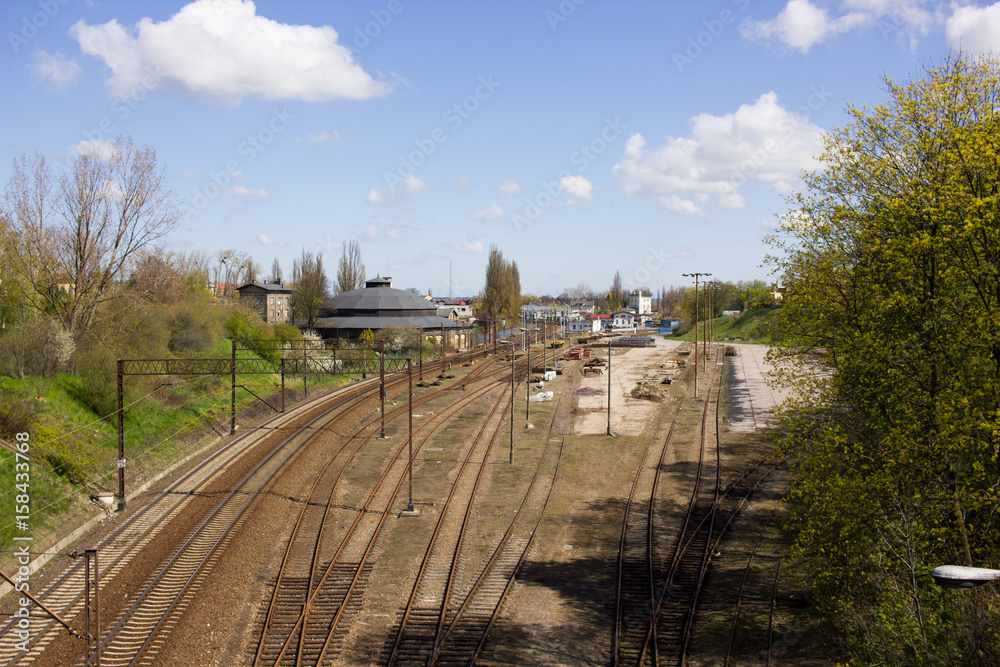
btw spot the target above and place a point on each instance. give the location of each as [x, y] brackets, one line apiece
[492, 564]
[361, 436]
[302, 617]
[743, 583]
[67, 589]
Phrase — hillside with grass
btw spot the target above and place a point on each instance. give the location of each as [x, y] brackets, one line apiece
[751, 326]
[71, 417]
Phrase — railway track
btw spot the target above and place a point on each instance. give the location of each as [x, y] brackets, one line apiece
[330, 577]
[658, 595]
[449, 614]
[65, 594]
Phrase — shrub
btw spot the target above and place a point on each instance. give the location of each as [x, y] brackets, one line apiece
[41, 346]
[98, 373]
[17, 411]
[193, 328]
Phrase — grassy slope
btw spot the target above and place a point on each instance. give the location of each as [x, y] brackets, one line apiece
[73, 451]
[753, 325]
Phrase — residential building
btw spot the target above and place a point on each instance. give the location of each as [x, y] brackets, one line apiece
[623, 319]
[586, 324]
[272, 301]
[641, 303]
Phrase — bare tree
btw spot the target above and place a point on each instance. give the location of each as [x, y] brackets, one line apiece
[79, 234]
[276, 271]
[249, 271]
[351, 270]
[311, 286]
[231, 265]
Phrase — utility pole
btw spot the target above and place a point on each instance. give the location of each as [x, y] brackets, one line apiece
[409, 438]
[609, 385]
[381, 384]
[695, 276]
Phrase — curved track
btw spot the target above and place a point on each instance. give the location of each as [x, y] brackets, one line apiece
[65, 594]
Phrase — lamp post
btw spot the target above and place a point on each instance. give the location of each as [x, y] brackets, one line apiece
[696, 276]
[512, 349]
[609, 385]
[527, 380]
[381, 383]
[960, 576]
[409, 437]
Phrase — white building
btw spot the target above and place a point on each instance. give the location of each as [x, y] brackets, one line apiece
[641, 304]
[623, 319]
[585, 325]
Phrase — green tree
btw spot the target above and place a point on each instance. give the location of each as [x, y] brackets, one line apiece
[501, 295]
[891, 261]
[617, 299]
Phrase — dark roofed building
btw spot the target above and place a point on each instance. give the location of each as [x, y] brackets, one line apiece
[376, 306]
[273, 301]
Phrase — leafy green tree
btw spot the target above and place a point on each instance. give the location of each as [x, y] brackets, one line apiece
[891, 261]
[501, 295]
[617, 299]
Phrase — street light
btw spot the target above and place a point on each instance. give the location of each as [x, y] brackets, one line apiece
[609, 385]
[512, 349]
[527, 383]
[696, 276]
[409, 437]
[960, 576]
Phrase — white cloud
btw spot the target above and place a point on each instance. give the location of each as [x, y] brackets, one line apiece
[509, 189]
[221, 50]
[378, 197]
[411, 186]
[415, 186]
[577, 186]
[494, 212]
[56, 67]
[470, 247]
[760, 143]
[801, 25]
[373, 233]
[461, 184]
[324, 137]
[975, 29]
[103, 148]
[241, 191]
[263, 239]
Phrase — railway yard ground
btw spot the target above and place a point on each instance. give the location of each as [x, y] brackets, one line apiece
[523, 545]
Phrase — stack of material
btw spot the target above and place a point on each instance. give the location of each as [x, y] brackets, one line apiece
[633, 341]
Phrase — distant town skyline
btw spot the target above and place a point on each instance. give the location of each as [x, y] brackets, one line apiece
[580, 137]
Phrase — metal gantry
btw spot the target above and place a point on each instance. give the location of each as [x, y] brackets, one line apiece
[280, 358]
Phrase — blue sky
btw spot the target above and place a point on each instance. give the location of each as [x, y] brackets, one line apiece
[582, 137]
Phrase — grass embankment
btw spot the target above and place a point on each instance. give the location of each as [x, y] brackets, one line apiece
[74, 451]
[753, 326]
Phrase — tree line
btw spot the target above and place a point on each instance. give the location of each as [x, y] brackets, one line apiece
[83, 279]
[890, 335]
